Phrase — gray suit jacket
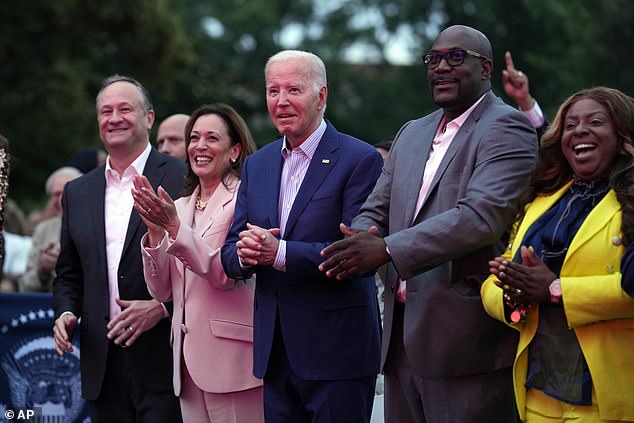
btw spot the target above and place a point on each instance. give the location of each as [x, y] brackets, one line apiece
[443, 251]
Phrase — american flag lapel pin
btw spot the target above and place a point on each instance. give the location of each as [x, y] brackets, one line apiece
[325, 161]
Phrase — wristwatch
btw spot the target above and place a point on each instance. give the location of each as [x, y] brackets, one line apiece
[555, 291]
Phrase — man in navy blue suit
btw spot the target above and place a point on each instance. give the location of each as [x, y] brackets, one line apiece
[316, 340]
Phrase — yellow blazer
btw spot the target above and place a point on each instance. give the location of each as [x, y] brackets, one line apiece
[597, 309]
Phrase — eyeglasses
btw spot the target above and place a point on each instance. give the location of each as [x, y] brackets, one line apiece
[452, 57]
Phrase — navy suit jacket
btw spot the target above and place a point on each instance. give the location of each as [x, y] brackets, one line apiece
[330, 328]
[81, 285]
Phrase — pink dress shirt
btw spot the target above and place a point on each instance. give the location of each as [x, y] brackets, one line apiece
[445, 134]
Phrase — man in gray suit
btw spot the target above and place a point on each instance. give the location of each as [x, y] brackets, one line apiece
[446, 195]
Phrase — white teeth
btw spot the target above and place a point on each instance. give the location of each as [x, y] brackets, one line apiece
[580, 147]
[203, 160]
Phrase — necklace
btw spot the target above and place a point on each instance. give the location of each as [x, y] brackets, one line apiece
[200, 205]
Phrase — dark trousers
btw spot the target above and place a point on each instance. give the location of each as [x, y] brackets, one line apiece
[125, 399]
[480, 398]
[289, 398]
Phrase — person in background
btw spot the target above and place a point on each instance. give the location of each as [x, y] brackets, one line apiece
[561, 283]
[445, 198]
[316, 341]
[83, 160]
[515, 83]
[87, 159]
[170, 138]
[126, 372]
[17, 245]
[40, 268]
[383, 147]
[5, 167]
[212, 322]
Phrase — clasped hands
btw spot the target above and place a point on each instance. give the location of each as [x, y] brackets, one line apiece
[525, 282]
[357, 254]
[258, 246]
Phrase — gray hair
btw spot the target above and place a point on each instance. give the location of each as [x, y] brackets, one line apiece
[69, 171]
[145, 95]
[316, 70]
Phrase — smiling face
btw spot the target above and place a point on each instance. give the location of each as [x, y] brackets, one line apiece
[124, 125]
[293, 100]
[589, 140]
[210, 151]
[456, 88]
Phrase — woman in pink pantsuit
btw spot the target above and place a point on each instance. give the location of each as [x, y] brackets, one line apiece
[212, 322]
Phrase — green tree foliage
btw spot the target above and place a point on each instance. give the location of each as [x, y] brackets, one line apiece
[190, 52]
[54, 55]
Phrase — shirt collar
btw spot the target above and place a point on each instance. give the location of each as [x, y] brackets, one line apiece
[136, 166]
[309, 146]
[460, 120]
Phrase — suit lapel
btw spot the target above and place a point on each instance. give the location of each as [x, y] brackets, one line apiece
[322, 163]
[459, 139]
[537, 208]
[217, 202]
[271, 184]
[606, 208]
[155, 175]
[418, 159]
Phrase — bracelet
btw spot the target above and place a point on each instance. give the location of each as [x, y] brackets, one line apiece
[514, 299]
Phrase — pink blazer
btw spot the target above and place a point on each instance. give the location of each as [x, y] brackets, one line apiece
[212, 322]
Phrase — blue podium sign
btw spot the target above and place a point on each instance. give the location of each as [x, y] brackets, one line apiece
[33, 377]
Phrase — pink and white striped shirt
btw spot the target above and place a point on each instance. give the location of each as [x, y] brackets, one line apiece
[296, 162]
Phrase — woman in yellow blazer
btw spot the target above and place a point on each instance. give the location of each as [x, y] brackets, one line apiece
[559, 283]
[212, 322]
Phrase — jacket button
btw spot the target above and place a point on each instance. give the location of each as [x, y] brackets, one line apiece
[616, 241]
[609, 268]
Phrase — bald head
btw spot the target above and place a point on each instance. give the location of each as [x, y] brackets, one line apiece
[457, 86]
[472, 39]
[170, 138]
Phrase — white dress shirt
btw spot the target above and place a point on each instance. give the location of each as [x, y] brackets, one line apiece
[117, 210]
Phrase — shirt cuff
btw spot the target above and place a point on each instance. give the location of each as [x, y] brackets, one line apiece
[280, 258]
[535, 115]
[165, 312]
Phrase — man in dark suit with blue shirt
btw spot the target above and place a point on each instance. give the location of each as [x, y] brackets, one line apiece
[126, 369]
[316, 340]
